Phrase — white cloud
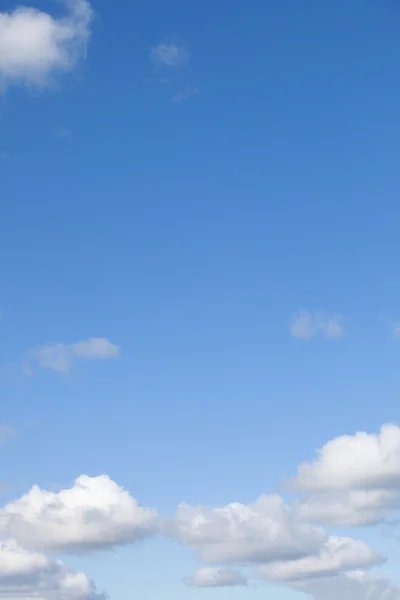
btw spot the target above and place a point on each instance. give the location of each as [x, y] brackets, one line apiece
[353, 585]
[29, 575]
[169, 55]
[216, 577]
[94, 513]
[187, 92]
[337, 555]
[348, 508]
[360, 461]
[305, 325]
[260, 532]
[268, 536]
[59, 357]
[34, 45]
[6, 433]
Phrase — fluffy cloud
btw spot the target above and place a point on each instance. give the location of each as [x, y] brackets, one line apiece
[216, 577]
[305, 325]
[256, 533]
[34, 45]
[337, 555]
[169, 55]
[353, 585]
[348, 508]
[268, 536]
[354, 480]
[27, 575]
[59, 357]
[94, 513]
[360, 461]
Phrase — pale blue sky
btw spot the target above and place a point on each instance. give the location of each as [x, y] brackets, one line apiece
[204, 173]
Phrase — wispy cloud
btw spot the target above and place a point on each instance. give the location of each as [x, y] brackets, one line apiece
[62, 132]
[34, 45]
[305, 325]
[169, 55]
[7, 433]
[60, 357]
[168, 58]
[187, 92]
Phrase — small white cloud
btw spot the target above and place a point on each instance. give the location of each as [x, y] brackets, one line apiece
[360, 461]
[26, 574]
[305, 324]
[60, 357]
[216, 577]
[93, 514]
[187, 92]
[34, 45]
[169, 55]
[7, 433]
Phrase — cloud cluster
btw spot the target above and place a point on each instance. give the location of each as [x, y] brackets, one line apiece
[60, 357]
[266, 540]
[305, 325]
[34, 45]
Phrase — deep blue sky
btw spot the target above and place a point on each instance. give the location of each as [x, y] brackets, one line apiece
[188, 234]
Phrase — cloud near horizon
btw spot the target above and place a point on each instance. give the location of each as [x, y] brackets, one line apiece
[266, 540]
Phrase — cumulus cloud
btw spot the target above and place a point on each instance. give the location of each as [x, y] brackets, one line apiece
[354, 480]
[216, 577]
[59, 357]
[305, 324]
[338, 554]
[95, 513]
[256, 533]
[348, 508]
[360, 461]
[267, 536]
[34, 45]
[169, 55]
[353, 585]
[26, 574]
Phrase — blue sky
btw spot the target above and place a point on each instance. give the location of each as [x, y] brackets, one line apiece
[199, 289]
